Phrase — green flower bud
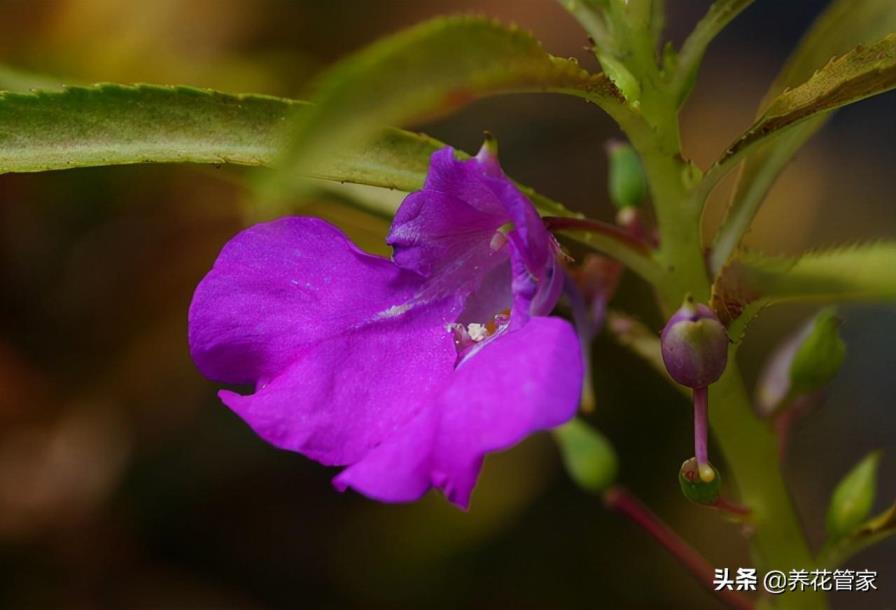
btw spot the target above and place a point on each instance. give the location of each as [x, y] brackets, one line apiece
[853, 497]
[802, 364]
[700, 488]
[587, 454]
[820, 355]
[628, 185]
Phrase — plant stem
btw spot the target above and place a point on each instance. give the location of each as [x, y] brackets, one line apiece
[749, 447]
[619, 499]
[751, 451]
[561, 223]
[701, 451]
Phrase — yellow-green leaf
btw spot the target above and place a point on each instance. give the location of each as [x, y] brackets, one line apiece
[861, 73]
[843, 25]
[864, 272]
[426, 71]
[115, 124]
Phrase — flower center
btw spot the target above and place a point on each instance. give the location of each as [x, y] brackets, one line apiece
[468, 335]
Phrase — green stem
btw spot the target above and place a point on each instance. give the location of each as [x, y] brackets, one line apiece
[749, 447]
[751, 452]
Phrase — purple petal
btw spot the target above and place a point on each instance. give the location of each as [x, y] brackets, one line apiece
[281, 286]
[521, 382]
[538, 243]
[349, 392]
[450, 233]
[453, 217]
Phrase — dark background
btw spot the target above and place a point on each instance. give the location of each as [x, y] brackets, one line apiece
[125, 484]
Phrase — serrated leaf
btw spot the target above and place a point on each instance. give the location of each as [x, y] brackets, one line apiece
[861, 73]
[587, 454]
[752, 281]
[426, 71]
[719, 14]
[115, 124]
[853, 498]
[844, 25]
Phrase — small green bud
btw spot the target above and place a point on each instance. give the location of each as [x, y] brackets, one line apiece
[587, 454]
[853, 497]
[802, 364]
[699, 487]
[820, 355]
[628, 185]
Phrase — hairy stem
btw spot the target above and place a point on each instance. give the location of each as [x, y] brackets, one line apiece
[619, 499]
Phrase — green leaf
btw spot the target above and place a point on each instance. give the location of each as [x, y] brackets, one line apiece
[861, 73]
[853, 498]
[864, 272]
[426, 71]
[819, 356]
[115, 124]
[720, 14]
[845, 24]
[587, 454]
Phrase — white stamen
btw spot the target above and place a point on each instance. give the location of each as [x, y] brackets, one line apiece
[477, 332]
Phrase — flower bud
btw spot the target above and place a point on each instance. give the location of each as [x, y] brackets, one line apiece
[853, 498]
[588, 456]
[801, 365]
[627, 183]
[694, 345]
[699, 487]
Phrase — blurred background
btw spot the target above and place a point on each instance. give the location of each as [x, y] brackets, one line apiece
[125, 484]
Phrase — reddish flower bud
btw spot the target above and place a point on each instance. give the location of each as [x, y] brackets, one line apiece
[694, 345]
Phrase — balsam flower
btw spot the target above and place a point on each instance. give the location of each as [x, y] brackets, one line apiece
[405, 371]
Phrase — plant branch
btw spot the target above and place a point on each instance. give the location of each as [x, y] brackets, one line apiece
[587, 225]
[619, 499]
[720, 14]
[610, 240]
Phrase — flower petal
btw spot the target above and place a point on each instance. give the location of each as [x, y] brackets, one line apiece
[524, 381]
[452, 219]
[280, 286]
[349, 392]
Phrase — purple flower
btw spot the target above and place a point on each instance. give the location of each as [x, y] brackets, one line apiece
[405, 371]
